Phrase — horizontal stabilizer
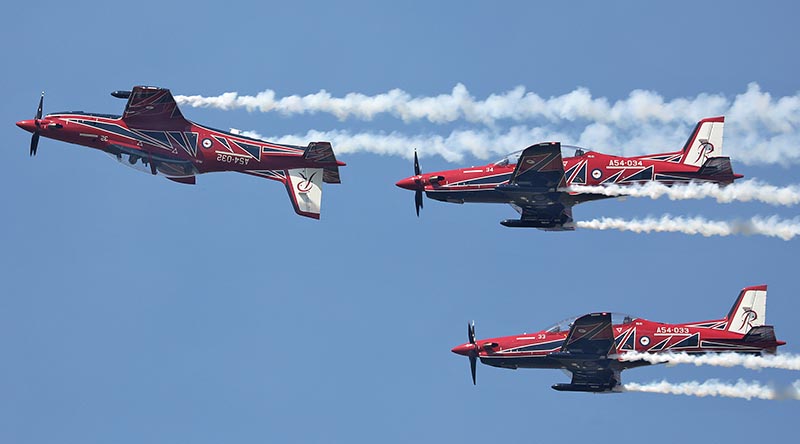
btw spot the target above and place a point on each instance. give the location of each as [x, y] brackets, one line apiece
[718, 169]
[322, 153]
[762, 333]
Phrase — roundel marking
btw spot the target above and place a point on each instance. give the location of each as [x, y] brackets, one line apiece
[597, 174]
[644, 340]
[207, 143]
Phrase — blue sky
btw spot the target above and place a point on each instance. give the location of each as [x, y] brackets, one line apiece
[134, 309]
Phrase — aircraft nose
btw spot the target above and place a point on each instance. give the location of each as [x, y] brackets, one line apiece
[410, 183]
[27, 125]
[462, 349]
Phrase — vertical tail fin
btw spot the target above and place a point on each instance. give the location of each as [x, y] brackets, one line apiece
[705, 142]
[305, 190]
[749, 310]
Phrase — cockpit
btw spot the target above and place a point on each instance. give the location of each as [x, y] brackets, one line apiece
[566, 151]
[565, 324]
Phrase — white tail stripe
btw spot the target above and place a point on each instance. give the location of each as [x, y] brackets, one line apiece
[305, 190]
[750, 311]
[707, 143]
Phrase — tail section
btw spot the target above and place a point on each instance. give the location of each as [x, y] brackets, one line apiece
[305, 184]
[322, 153]
[749, 311]
[719, 170]
[305, 190]
[705, 142]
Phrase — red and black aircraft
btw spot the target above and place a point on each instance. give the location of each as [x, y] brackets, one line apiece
[590, 346]
[536, 181]
[152, 135]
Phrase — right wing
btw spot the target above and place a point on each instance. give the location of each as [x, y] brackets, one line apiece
[547, 215]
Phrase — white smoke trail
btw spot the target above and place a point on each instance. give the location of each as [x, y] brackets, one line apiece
[753, 362]
[746, 191]
[518, 104]
[771, 226]
[760, 129]
[453, 147]
[487, 143]
[712, 387]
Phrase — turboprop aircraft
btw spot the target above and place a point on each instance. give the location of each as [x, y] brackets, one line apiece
[589, 346]
[152, 135]
[536, 181]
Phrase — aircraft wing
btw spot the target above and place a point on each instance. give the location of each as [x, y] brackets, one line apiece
[540, 167]
[590, 334]
[549, 214]
[533, 189]
[585, 354]
[165, 164]
[591, 380]
[152, 107]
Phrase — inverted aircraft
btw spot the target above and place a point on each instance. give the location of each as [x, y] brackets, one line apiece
[537, 181]
[590, 346]
[152, 135]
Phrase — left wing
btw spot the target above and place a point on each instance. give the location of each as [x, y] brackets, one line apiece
[533, 190]
[585, 354]
[590, 334]
[152, 107]
[540, 167]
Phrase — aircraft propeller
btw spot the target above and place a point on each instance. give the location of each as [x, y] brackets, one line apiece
[35, 136]
[473, 354]
[418, 180]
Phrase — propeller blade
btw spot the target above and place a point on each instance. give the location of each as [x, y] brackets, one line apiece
[39, 110]
[34, 143]
[473, 361]
[418, 193]
[471, 332]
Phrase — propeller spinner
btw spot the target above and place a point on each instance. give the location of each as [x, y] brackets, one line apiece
[469, 350]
